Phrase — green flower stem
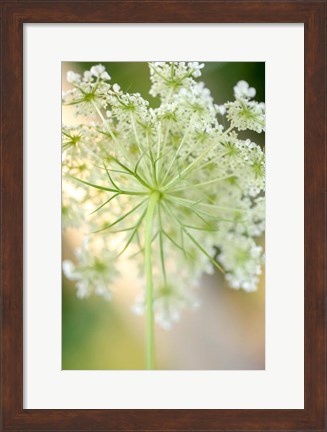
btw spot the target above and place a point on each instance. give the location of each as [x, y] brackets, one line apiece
[154, 198]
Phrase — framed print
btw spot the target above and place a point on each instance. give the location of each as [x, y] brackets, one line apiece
[163, 215]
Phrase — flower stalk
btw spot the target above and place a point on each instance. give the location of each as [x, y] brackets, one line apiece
[154, 199]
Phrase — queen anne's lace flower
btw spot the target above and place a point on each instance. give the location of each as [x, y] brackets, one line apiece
[244, 114]
[73, 77]
[99, 71]
[207, 181]
[92, 272]
[167, 77]
[242, 260]
[87, 95]
[71, 212]
[242, 90]
[169, 302]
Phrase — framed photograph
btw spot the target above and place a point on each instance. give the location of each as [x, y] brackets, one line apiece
[177, 151]
[163, 216]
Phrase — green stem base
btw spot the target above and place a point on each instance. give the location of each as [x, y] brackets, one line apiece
[154, 198]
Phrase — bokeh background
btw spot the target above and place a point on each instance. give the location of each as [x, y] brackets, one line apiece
[226, 332]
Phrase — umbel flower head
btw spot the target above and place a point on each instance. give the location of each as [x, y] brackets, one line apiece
[171, 187]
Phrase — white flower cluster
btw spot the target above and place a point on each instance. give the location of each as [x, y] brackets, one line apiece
[167, 77]
[87, 90]
[244, 113]
[209, 183]
[92, 271]
[168, 304]
[242, 259]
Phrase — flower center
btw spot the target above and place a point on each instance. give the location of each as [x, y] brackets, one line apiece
[157, 192]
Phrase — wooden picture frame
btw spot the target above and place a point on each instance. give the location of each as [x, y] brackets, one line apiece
[14, 15]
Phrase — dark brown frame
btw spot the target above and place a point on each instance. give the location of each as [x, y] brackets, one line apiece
[14, 14]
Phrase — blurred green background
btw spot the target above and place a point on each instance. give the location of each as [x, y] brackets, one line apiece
[226, 332]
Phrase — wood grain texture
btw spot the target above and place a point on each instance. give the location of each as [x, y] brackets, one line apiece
[14, 15]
